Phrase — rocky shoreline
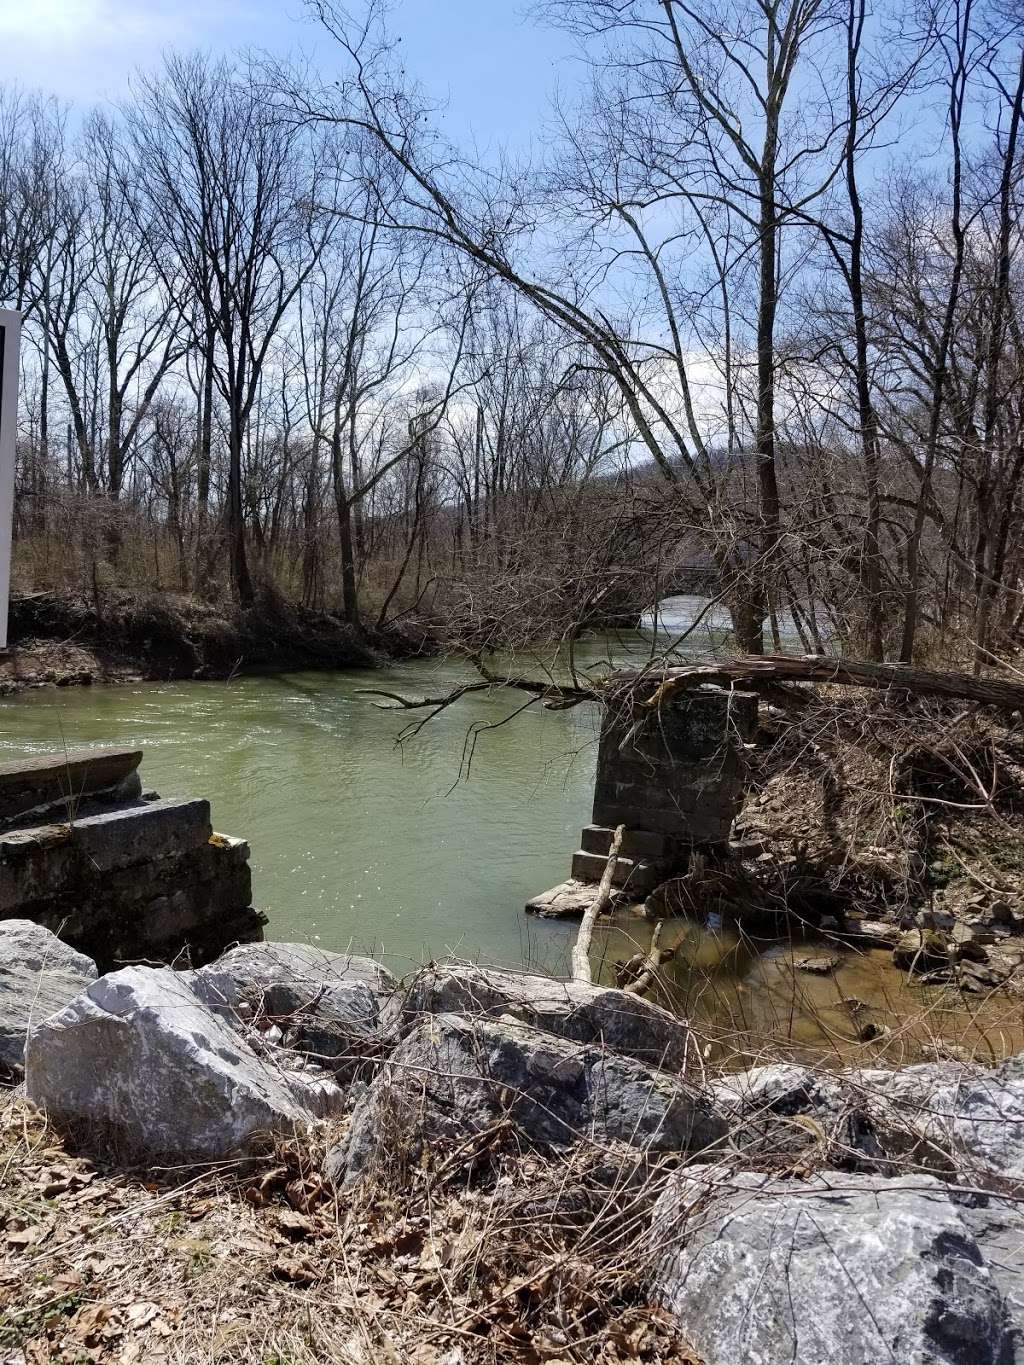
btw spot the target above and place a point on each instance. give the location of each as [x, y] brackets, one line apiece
[780, 1213]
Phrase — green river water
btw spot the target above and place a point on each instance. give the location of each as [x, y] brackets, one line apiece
[358, 841]
[405, 851]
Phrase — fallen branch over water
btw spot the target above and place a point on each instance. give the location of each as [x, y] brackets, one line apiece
[783, 668]
[553, 695]
[765, 671]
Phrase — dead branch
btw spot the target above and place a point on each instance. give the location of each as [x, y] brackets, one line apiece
[401, 703]
[554, 696]
[758, 670]
[655, 956]
[581, 970]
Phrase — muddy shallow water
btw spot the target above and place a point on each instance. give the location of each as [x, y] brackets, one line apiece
[748, 995]
[432, 846]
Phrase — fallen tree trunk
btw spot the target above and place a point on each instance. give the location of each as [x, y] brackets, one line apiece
[769, 672]
[750, 671]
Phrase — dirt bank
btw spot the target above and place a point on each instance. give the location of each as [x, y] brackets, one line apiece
[72, 641]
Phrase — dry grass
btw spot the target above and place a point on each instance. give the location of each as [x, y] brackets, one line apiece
[265, 1264]
[484, 1251]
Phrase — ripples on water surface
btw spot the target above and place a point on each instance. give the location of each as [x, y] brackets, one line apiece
[357, 842]
[354, 839]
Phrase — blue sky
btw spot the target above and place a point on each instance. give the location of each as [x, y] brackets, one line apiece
[494, 68]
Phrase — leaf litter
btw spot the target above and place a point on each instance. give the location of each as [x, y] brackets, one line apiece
[261, 1263]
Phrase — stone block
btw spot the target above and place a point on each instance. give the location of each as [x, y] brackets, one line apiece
[692, 827]
[636, 843]
[679, 771]
[641, 797]
[140, 834]
[197, 903]
[694, 728]
[635, 876]
[127, 792]
[55, 860]
[34, 784]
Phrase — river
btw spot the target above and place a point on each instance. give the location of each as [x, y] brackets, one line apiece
[413, 850]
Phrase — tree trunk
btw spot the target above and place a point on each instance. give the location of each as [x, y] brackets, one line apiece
[241, 582]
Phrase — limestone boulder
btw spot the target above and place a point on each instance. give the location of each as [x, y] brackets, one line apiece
[328, 1007]
[577, 1010]
[784, 1110]
[782, 1087]
[952, 1116]
[996, 1225]
[454, 1076]
[138, 1064]
[972, 1115]
[839, 1269]
[38, 976]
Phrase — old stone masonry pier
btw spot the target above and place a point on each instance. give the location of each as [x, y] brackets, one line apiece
[121, 875]
[674, 778]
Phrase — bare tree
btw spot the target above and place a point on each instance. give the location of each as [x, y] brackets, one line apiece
[235, 194]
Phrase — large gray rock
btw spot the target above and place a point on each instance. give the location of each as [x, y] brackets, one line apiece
[454, 1076]
[38, 976]
[327, 1006]
[781, 1087]
[138, 1062]
[971, 1114]
[841, 1269]
[784, 1110]
[578, 1010]
[997, 1226]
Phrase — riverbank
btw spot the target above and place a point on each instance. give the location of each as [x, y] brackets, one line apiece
[292, 1157]
[124, 637]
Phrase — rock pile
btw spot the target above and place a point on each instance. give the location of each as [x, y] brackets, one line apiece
[783, 1213]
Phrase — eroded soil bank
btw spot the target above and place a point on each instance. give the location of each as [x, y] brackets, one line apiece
[126, 637]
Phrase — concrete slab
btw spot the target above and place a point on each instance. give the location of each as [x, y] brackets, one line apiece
[65, 777]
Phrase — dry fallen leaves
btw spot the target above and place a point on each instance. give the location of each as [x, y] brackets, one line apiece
[296, 1269]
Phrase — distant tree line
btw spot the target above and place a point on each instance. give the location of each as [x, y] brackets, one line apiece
[759, 307]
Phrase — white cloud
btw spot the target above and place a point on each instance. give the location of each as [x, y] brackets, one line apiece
[88, 49]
